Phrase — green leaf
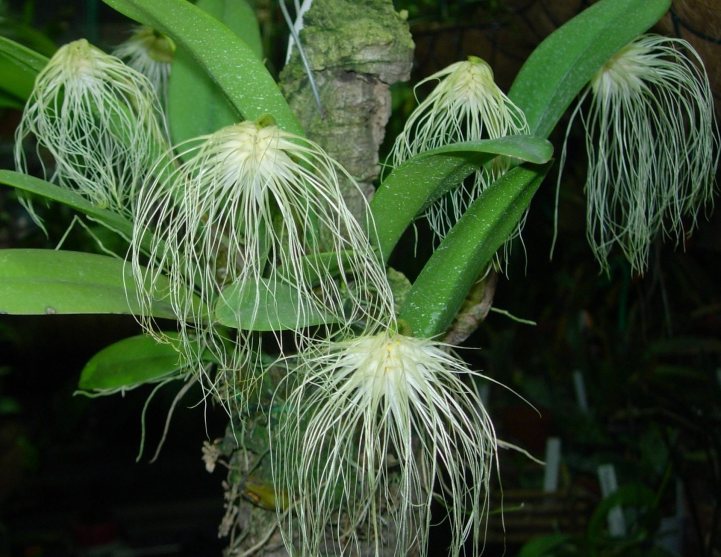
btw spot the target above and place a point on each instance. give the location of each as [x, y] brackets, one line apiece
[19, 66]
[634, 496]
[265, 306]
[410, 187]
[196, 105]
[47, 282]
[27, 36]
[566, 60]
[239, 17]
[50, 191]
[129, 363]
[317, 266]
[227, 59]
[545, 546]
[439, 291]
[274, 305]
[9, 101]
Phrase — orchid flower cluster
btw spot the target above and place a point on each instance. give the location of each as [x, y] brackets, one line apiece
[376, 423]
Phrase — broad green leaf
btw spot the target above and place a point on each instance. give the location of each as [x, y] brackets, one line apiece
[42, 188]
[566, 60]
[439, 291]
[129, 363]
[227, 59]
[239, 17]
[317, 266]
[409, 188]
[196, 105]
[19, 66]
[265, 306]
[47, 282]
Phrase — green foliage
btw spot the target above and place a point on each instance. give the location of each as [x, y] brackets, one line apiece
[564, 63]
[219, 78]
[220, 52]
[439, 291]
[413, 185]
[196, 106]
[642, 524]
[129, 363]
[266, 306]
[544, 87]
[51, 192]
[49, 282]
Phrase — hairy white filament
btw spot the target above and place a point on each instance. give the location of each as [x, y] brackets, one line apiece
[652, 142]
[151, 53]
[373, 424]
[465, 105]
[247, 205]
[99, 120]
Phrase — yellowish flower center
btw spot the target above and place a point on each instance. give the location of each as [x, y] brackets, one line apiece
[159, 47]
[623, 74]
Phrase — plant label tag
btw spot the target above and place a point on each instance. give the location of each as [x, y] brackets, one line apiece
[609, 485]
[553, 463]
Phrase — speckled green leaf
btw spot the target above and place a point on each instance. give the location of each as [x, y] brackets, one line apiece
[196, 105]
[239, 17]
[46, 282]
[408, 189]
[440, 289]
[227, 59]
[129, 363]
[566, 60]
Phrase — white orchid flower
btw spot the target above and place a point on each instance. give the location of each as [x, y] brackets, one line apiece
[651, 142]
[99, 120]
[151, 53]
[465, 105]
[375, 428]
[251, 205]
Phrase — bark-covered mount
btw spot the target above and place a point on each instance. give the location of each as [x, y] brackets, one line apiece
[356, 50]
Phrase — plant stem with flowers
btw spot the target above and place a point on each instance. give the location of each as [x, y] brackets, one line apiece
[350, 416]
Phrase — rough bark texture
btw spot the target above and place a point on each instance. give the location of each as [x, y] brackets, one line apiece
[356, 50]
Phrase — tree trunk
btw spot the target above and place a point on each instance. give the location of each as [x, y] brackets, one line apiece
[355, 50]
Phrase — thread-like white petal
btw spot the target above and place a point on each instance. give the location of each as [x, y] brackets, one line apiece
[99, 120]
[465, 105]
[151, 53]
[371, 425]
[652, 147]
[248, 204]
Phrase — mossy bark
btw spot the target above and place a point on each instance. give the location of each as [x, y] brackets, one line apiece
[356, 50]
